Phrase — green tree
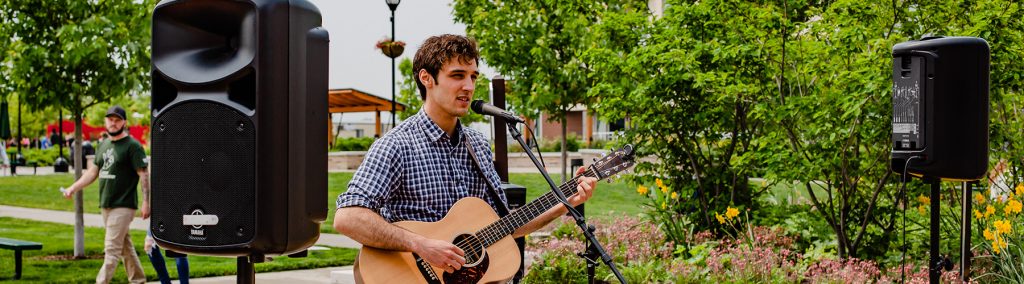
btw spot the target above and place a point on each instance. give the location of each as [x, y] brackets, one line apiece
[829, 114]
[831, 110]
[77, 54]
[688, 82]
[536, 43]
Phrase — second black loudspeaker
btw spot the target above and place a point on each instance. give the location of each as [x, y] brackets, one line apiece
[940, 107]
[239, 125]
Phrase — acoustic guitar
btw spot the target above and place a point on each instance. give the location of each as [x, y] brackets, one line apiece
[471, 224]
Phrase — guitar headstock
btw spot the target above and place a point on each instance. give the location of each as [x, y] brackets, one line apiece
[615, 162]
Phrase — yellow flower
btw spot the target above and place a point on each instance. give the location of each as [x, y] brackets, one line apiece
[721, 220]
[731, 213]
[675, 195]
[642, 190]
[989, 210]
[1020, 188]
[988, 234]
[924, 199]
[980, 199]
[661, 185]
[664, 205]
[1013, 206]
[977, 214]
[1002, 226]
[998, 243]
[921, 209]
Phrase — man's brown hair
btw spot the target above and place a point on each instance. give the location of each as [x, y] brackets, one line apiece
[438, 50]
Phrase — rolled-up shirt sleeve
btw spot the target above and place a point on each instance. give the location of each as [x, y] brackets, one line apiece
[376, 178]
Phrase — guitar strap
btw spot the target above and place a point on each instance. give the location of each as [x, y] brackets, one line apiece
[493, 192]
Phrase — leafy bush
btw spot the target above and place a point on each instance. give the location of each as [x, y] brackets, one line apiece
[572, 143]
[637, 247]
[34, 155]
[600, 144]
[746, 254]
[1000, 222]
[352, 144]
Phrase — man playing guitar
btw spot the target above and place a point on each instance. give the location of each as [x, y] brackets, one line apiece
[421, 168]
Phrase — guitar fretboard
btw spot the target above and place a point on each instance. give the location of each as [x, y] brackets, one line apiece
[515, 219]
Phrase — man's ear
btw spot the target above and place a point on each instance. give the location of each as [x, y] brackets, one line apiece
[425, 78]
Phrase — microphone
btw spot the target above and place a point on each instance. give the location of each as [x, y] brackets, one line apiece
[483, 108]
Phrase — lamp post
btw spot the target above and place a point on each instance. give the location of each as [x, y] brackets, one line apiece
[393, 4]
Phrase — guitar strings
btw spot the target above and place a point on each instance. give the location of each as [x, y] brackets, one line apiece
[487, 232]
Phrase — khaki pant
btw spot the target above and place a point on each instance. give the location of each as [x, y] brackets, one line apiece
[117, 245]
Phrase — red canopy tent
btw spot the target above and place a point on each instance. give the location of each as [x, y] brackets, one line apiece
[90, 132]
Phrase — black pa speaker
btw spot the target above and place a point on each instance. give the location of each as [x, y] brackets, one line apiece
[239, 104]
[940, 107]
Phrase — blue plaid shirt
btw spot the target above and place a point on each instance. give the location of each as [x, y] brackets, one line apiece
[415, 173]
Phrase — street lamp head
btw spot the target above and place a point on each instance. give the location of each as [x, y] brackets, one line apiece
[393, 4]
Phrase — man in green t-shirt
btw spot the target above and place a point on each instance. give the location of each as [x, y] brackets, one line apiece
[120, 164]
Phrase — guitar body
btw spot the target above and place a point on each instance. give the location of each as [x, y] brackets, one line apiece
[499, 263]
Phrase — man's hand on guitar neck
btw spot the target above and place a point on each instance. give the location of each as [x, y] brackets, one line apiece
[439, 253]
[585, 188]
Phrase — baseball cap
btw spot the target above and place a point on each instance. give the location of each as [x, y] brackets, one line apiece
[116, 110]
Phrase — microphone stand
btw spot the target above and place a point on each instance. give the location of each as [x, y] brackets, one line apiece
[594, 246]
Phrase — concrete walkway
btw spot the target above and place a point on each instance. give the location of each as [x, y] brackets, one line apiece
[334, 275]
[95, 220]
[322, 275]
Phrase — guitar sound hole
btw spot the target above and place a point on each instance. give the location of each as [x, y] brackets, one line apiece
[473, 248]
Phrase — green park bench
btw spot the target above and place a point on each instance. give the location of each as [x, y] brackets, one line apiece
[18, 246]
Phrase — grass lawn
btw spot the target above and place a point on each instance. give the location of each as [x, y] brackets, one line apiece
[616, 198]
[612, 199]
[41, 192]
[52, 264]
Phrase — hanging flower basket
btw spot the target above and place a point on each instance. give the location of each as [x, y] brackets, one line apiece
[391, 48]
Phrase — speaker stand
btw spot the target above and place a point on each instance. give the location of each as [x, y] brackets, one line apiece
[965, 231]
[936, 261]
[246, 272]
[934, 265]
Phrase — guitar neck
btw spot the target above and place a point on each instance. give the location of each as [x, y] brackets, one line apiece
[516, 219]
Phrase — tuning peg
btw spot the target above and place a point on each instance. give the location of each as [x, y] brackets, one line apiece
[595, 159]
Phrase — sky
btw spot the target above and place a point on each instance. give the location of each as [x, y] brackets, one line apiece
[356, 26]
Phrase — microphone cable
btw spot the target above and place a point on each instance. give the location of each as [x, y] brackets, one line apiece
[535, 143]
[906, 202]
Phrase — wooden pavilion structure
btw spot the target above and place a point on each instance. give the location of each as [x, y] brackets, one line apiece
[353, 100]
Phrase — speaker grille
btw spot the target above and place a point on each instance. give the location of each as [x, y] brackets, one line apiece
[203, 162]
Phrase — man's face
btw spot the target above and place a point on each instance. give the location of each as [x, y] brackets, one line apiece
[453, 91]
[113, 124]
